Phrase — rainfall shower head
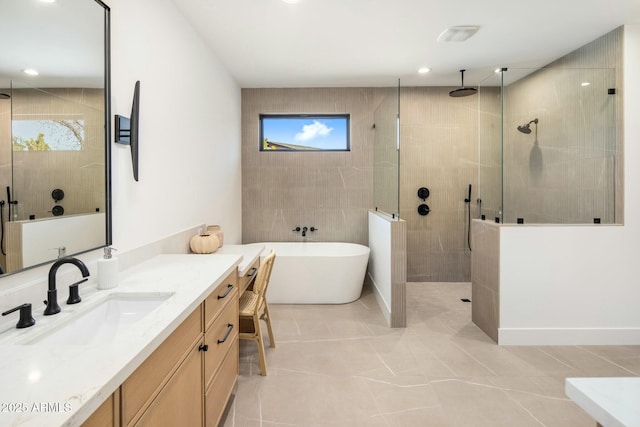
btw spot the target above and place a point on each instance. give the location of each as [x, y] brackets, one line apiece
[527, 128]
[4, 95]
[462, 91]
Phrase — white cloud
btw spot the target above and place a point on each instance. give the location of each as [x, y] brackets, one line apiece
[312, 131]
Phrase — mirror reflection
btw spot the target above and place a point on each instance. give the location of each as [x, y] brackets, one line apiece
[53, 131]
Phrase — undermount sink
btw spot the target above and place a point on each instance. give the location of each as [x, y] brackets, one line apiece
[103, 321]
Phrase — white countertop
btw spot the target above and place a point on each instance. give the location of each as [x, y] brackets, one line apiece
[46, 385]
[249, 253]
[613, 402]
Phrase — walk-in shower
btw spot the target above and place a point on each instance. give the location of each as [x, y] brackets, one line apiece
[567, 173]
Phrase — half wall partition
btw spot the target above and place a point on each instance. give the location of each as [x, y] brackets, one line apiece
[387, 269]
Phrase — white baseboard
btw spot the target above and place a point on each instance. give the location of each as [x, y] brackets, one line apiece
[384, 306]
[569, 336]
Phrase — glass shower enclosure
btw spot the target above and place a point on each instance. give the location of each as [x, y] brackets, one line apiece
[547, 146]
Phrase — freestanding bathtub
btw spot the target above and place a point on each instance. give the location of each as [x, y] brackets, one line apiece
[316, 272]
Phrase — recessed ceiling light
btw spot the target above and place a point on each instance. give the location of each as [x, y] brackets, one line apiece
[424, 70]
[585, 84]
[47, 1]
[291, 1]
[458, 34]
[30, 71]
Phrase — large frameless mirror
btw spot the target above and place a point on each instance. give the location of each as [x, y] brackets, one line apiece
[54, 130]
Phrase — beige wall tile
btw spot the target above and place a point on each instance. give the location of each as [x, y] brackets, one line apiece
[331, 191]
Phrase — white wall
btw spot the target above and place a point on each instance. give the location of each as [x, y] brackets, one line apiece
[387, 268]
[190, 170]
[579, 284]
[379, 268]
[189, 128]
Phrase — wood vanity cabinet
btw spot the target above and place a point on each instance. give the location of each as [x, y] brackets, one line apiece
[107, 415]
[189, 378]
[247, 279]
[221, 357]
[140, 391]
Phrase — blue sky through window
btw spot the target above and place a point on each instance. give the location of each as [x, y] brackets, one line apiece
[311, 132]
[58, 134]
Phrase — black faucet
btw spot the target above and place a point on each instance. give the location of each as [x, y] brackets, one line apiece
[26, 319]
[304, 231]
[52, 293]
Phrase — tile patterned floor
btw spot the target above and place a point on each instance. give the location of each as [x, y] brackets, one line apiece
[339, 365]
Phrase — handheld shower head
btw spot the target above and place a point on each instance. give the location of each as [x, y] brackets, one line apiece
[526, 129]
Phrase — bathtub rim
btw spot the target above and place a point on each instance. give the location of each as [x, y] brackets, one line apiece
[359, 249]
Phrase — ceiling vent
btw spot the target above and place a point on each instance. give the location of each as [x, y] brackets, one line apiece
[458, 34]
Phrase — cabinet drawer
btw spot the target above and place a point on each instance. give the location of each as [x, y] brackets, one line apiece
[143, 385]
[218, 393]
[107, 415]
[247, 279]
[219, 297]
[220, 338]
[180, 401]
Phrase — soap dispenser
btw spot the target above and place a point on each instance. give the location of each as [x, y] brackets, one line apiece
[108, 269]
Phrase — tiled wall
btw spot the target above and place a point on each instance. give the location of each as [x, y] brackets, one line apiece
[485, 271]
[569, 169]
[439, 150]
[606, 52]
[331, 191]
[80, 174]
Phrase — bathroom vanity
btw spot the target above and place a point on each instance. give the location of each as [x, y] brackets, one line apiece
[175, 365]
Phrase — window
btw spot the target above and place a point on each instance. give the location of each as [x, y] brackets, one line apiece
[48, 135]
[304, 132]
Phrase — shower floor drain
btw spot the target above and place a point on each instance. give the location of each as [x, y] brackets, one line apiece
[465, 300]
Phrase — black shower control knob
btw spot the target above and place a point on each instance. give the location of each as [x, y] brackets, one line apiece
[424, 209]
[57, 210]
[57, 195]
[423, 193]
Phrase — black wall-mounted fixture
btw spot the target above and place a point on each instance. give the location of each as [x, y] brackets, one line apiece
[127, 129]
[526, 128]
[423, 193]
[57, 195]
[424, 209]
